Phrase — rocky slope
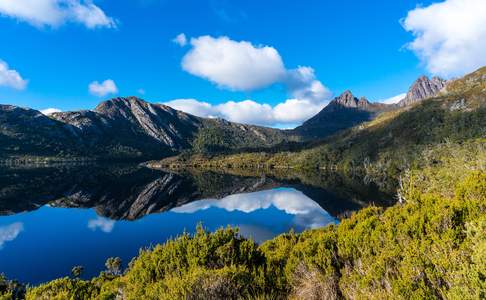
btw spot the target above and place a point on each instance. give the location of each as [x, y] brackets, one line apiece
[342, 112]
[122, 128]
[421, 89]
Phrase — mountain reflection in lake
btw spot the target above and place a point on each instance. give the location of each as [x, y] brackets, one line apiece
[54, 218]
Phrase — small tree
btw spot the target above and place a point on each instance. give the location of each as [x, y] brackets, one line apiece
[76, 271]
[113, 265]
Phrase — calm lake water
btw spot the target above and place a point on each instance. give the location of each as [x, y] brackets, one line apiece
[54, 218]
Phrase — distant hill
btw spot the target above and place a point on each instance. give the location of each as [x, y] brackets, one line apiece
[122, 128]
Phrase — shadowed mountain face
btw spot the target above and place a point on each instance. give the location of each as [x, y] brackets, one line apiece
[122, 128]
[29, 132]
[123, 192]
[341, 113]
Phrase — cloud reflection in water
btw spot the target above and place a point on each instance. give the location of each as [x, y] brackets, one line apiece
[10, 232]
[102, 224]
[307, 213]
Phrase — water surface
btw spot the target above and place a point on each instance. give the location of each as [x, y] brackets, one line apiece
[52, 219]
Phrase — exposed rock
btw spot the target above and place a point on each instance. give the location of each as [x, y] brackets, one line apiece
[458, 105]
[423, 88]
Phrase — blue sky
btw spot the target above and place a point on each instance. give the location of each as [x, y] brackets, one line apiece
[349, 44]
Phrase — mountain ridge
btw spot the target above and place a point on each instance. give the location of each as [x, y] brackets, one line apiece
[342, 112]
[132, 128]
[123, 127]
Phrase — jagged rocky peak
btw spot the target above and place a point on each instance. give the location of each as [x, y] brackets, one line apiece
[363, 102]
[122, 103]
[423, 88]
[133, 106]
[347, 99]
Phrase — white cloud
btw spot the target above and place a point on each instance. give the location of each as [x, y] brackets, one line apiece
[394, 99]
[102, 89]
[286, 114]
[233, 65]
[242, 66]
[141, 91]
[302, 84]
[180, 39]
[49, 111]
[246, 111]
[11, 78]
[195, 107]
[102, 224]
[10, 232]
[310, 98]
[56, 12]
[450, 36]
[296, 111]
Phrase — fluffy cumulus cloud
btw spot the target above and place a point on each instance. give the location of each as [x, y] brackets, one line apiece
[102, 89]
[242, 66]
[450, 36]
[309, 96]
[234, 65]
[287, 114]
[11, 78]
[56, 12]
[49, 111]
[302, 84]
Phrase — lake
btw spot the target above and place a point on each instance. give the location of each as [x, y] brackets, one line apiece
[53, 218]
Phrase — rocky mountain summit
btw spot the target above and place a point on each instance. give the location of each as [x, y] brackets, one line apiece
[348, 100]
[342, 112]
[421, 89]
[346, 110]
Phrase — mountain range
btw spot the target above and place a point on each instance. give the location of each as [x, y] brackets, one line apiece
[131, 128]
[121, 128]
[404, 137]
